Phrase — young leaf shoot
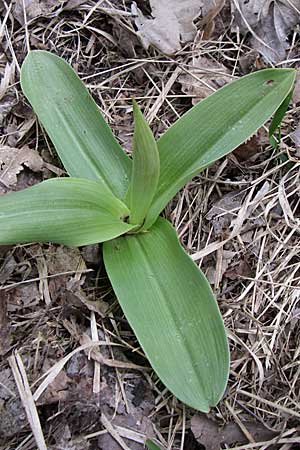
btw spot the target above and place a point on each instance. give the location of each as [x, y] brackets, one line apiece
[145, 170]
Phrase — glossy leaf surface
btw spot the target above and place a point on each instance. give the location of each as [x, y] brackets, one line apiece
[172, 310]
[145, 169]
[68, 211]
[216, 126]
[82, 138]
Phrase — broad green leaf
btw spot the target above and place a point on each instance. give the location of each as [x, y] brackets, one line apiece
[277, 119]
[145, 169]
[82, 138]
[151, 446]
[214, 127]
[172, 310]
[68, 211]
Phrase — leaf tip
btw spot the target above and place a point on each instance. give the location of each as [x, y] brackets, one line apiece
[136, 110]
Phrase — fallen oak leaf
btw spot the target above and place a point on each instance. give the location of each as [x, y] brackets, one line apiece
[170, 26]
[12, 161]
[269, 22]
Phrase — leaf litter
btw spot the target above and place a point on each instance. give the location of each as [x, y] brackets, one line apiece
[33, 9]
[7, 95]
[254, 272]
[212, 437]
[13, 160]
[173, 27]
[203, 77]
[269, 22]
[5, 327]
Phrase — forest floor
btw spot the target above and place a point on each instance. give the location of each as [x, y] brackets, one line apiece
[54, 300]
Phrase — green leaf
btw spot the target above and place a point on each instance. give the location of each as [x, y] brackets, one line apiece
[214, 127]
[82, 138]
[145, 170]
[172, 310]
[277, 119]
[151, 446]
[68, 211]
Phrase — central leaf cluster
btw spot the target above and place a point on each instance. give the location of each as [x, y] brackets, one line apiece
[112, 199]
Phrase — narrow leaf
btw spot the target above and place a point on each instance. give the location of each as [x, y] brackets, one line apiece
[82, 138]
[171, 308]
[145, 170]
[68, 211]
[214, 127]
[277, 119]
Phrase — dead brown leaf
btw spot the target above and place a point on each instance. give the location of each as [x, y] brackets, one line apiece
[170, 26]
[206, 431]
[269, 22]
[211, 436]
[12, 161]
[251, 147]
[174, 26]
[203, 78]
[33, 9]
